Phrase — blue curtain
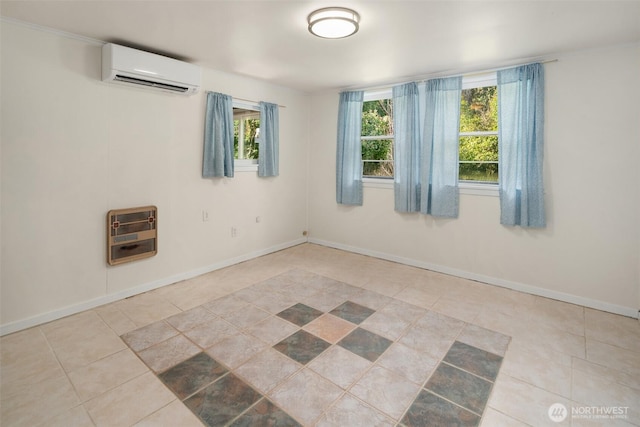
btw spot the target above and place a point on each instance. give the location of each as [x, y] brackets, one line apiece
[268, 164]
[218, 136]
[349, 150]
[439, 174]
[407, 159]
[520, 136]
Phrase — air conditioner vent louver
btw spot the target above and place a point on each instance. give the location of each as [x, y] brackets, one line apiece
[133, 67]
[148, 83]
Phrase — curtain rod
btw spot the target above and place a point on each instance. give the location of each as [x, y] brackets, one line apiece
[255, 102]
[450, 73]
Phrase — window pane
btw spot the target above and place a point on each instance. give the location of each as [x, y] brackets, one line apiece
[377, 154]
[479, 158]
[479, 109]
[246, 133]
[377, 117]
[377, 158]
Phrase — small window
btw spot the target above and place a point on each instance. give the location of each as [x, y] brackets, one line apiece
[478, 150]
[246, 134]
[377, 135]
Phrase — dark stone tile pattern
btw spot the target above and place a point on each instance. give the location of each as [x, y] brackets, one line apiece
[265, 413]
[352, 312]
[302, 346]
[222, 401]
[431, 410]
[455, 395]
[300, 314]
[464, 377]
[365, 344]
[463, 388]
[189, 376]
[474, 360]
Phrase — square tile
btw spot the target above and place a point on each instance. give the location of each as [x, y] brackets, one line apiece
[427, 341]
[265, 413]
[302, 346]
[275, 303]
[386, 390]
[300, 314]
[168, 353]
[386, 324]
[211, 332]
[488, 340]
[329, 327]
[129, 402]
[340, 366]
[354, 313]
[222, 401]
[105, 374]
[365, 344]
[474, 360]
[225, 305]
[246, 317]
[441, 325]
[189, 376]
[305, 396]
[267, 369]
[149, 335]
[272, 330]
[464, 389]
[236, 349]
[411, 364]
[323, 301]
[190, 318]
[431, 410]
[349, 411]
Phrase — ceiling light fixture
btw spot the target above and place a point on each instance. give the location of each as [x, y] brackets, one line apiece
[333, 22]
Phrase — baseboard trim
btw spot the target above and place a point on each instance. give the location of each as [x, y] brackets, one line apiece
[516, 286]
[40, 319]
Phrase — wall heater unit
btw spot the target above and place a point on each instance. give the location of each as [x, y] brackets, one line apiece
[132, 234]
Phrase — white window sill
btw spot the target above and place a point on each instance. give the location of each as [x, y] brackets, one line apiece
[477, 189]
[245, 166]
[467, 188]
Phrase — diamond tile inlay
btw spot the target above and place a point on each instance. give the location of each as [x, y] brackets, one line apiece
[302, 346]
[300, 314]
[365, 344]
[324, 360]
[354, 313]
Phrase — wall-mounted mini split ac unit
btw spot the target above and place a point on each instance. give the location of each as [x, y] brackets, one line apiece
[129, 66]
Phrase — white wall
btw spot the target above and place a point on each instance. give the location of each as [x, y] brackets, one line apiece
[590, 249]
[74, 147]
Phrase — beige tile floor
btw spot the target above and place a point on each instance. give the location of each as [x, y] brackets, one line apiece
[77, 371]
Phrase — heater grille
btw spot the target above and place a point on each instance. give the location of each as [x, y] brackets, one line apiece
[131, 234]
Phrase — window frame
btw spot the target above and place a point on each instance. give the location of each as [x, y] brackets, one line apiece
[379, 181]
[246, 165]
[465, 187]
[479, 188]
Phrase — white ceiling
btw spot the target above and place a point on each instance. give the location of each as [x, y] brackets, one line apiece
[397, 41]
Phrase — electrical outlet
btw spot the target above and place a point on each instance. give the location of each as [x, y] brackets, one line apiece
[234, 232]
[205, 215]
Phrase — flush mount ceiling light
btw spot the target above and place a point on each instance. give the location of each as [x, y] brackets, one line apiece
[333, 22]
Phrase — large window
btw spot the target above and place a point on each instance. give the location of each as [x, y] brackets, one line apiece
[377, 135]
[478, 154]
